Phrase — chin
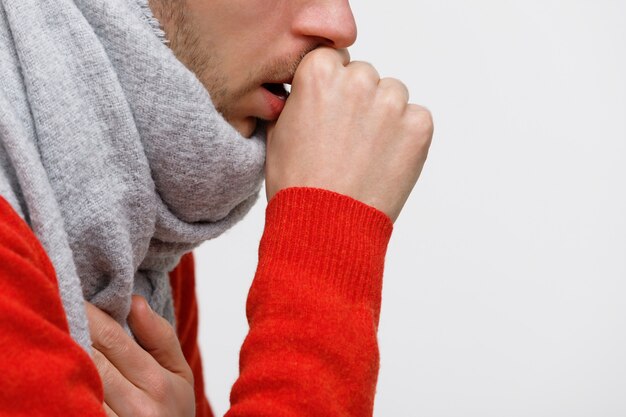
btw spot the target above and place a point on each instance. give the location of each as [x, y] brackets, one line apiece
[245, 127]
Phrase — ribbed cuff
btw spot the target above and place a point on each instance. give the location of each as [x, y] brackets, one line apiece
[335, 242]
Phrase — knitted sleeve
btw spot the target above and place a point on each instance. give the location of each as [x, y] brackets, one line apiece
[43, 372]
[313, 309]
[182, 280]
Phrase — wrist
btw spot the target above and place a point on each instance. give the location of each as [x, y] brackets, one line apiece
[338, 241]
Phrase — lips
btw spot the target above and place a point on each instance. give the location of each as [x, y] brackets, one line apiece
[278, 89]
[276, 95]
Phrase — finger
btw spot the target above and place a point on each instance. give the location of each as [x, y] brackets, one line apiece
[325, 53]
[422, 116]
[366, 69]
[421, 121]
[345, 56]
[416, 108]
[108, 411]
[158, 338]
[394, 86]
[118, 391]
[108, 337]
[341, 56]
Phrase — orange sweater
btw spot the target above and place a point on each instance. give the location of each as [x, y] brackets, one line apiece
[313, 311]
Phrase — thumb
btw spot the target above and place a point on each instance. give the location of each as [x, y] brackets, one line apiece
[158, 338]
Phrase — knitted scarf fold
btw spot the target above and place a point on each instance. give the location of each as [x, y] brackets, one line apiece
[112, 151]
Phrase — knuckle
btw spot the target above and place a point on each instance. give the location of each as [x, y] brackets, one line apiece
[159, 387]
[394, 99]
[394, 103]
[365, 70]
[394, 84]
[363, 77]
[320, 52]
[322, 68]
[102, 366]
[109, 337]
[421, 122]
[166, 331]
[428, 124]
[394, 95]
[402, 89]
[318, 63]
[168, 334]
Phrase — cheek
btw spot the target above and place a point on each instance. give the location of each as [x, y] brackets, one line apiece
[242, 33]
[245, 24]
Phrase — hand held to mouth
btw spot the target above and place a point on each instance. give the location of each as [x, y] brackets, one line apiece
[346, 130]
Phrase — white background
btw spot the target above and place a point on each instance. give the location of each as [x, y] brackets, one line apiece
[505, 287]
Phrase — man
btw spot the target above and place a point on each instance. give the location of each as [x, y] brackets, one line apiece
[344, 150]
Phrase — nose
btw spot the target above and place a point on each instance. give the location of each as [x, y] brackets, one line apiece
[331, 21]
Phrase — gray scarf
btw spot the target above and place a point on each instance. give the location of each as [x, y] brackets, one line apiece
[112, 151]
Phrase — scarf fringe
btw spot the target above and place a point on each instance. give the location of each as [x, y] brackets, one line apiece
[152, 21]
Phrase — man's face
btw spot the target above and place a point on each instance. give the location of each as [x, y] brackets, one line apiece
[244, 50]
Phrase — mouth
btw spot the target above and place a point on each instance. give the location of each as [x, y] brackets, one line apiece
[276, 95]
[280, 90]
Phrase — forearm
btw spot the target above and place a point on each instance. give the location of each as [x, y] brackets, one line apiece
[313, 309]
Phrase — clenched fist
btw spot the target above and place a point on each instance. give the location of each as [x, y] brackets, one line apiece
[346, 130]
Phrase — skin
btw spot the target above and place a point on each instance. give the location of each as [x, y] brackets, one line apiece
[233, 51]
[343, 129]
[149, 377]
